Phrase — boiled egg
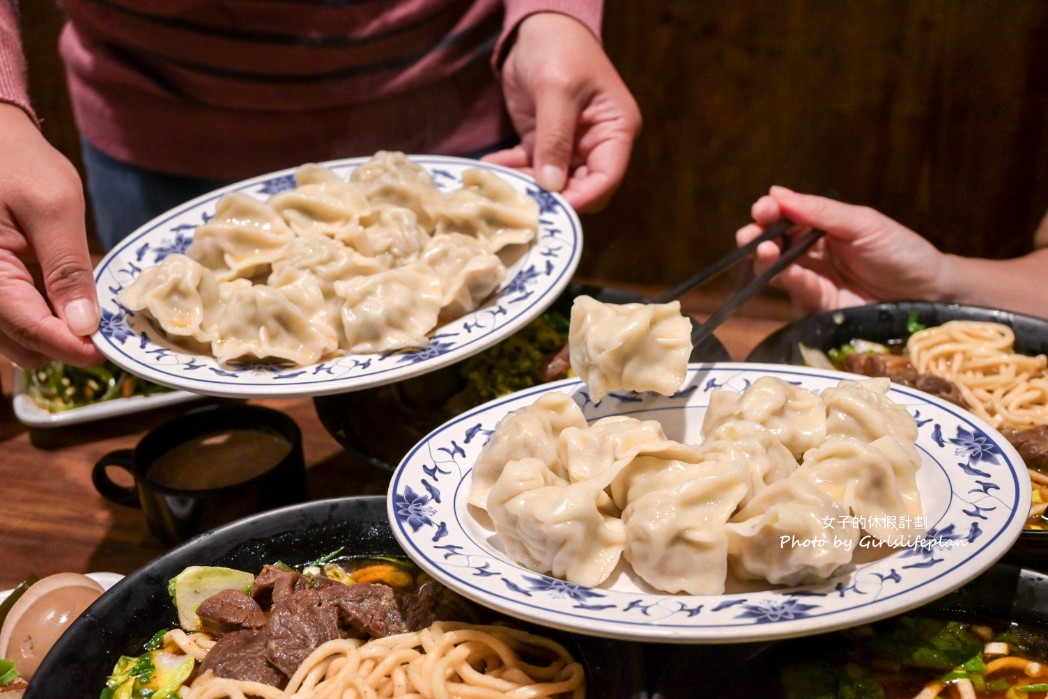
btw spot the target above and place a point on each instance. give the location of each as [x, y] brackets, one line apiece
[42, 614]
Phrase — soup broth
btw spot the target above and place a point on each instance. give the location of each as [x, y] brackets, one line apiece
[907, 657]
[218, 460]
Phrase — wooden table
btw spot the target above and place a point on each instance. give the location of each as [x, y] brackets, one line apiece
[52, 519]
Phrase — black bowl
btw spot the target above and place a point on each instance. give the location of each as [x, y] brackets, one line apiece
[1001, 596]
[125, 617]
[885, 322]
[379, 425]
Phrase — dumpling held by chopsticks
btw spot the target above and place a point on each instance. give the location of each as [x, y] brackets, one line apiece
[629, 346]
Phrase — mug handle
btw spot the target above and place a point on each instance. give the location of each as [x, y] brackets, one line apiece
[120, 494]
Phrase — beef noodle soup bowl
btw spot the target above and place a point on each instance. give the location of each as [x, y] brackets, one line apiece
[873, 339]
[983, 641]
[127, 616]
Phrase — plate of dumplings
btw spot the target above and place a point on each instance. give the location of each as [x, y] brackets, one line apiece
[336, 276]
[756, 502]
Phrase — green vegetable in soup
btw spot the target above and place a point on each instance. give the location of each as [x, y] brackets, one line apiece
[156, 674]
[8, 673]
[925, 643]
[891, 658]
[326, 558]
[912, 324]
[837, 355]
[814, 357]
[818, 679]
[196, 583]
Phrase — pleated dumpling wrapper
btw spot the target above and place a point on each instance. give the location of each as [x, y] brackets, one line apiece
[629, 346]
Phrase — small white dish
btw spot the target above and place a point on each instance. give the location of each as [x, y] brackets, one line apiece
[32, 415]
[533, 283]
[973, 485]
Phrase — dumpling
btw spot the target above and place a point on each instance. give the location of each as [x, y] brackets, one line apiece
[389, 234]
[469, 272]
[242, 239]
[325, 259]
[260, 322]
[389, 310]
[795, 415]
[769, 460]
[789, 533]
[632, 346]
[874, 481]
[316, 174]
[862, 409]
[675, 537]
[390, 177]
[306, 292]
[322, 203]
[589, 451]
[551, 526]
[528, 432]
[180, 294]
[488, 207]
[654, 467]
[314, 264]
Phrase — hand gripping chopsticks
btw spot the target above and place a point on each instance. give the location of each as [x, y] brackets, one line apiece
[791, 251]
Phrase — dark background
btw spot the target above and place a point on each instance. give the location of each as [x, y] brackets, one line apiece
[934, 111]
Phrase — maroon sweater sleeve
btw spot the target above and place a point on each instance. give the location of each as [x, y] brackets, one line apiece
[13, 85]
[589, 12]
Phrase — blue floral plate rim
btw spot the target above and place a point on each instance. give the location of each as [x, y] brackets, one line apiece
[534, 282]
[972, 482]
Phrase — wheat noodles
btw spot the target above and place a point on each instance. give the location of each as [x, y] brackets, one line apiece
[1002, 387]
[443, 661]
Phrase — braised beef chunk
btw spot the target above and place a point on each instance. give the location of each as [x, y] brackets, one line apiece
[230, 610]
[379, 610]
[938, 386]
[1032, 445]
[420, 610]
[900, 371]
[859, 363]
[241, 655]
[298, 624]
[289, 615]
[872, 364]
[275, 583]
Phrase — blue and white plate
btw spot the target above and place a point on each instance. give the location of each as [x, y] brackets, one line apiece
[973, 484]
[533, 283]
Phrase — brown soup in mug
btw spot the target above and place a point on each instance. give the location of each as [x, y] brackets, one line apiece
[219, 459]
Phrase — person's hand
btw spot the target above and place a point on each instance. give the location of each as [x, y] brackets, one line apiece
[576, 118]
[42, 224]
[864, 256]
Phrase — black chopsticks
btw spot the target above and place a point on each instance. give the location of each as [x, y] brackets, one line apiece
[557, 365]
[789, 254]
[779, 230]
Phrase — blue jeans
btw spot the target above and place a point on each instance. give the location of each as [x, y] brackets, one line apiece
[124, 197]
